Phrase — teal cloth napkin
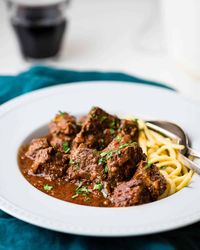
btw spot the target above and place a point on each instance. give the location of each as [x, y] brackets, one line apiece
[39, 77]
[18, 235]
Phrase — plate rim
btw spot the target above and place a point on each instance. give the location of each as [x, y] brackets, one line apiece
[35, 220]
[7, 206]
[62, 85]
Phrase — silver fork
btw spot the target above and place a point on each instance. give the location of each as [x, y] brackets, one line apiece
[185, 160]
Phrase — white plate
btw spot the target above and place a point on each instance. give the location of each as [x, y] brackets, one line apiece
[24, 115]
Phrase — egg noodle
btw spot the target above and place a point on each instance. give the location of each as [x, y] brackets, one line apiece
[164, 153]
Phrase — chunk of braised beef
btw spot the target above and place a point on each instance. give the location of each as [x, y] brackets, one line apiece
[54, 168]
[84, 165]
[45, 161]
[130, 193]
[63, 123]
[146, 185]
[152, 179]
[120, 159]
[129, 127]
[62, 129]
[39, 151]
[98, 129]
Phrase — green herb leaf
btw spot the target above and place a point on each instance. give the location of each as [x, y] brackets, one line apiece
[87, 199]
[118, 138]
[118, 152]
[47, 187]
[101, 161]
[94, 116]
[112, 124]
[106, 169]
[108, 154]
[148, 165]
[103, 118]
[112, 131]
[103, 154]
[163, 167]
[98, 186]
[66, 147]
[78, 166]
[124, 145]
[71, 161]
[82, 189]
[74, 196]
[61, 113]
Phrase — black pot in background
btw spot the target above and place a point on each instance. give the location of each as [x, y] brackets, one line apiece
[39, 26]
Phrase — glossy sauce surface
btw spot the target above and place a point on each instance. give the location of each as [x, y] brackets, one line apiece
[60, 188]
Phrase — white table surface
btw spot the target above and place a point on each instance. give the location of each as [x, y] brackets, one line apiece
[111, 35]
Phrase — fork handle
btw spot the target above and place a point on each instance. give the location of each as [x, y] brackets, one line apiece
[193, 152]
[190, 164]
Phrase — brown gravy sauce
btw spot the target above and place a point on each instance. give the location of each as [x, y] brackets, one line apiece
[61, 189]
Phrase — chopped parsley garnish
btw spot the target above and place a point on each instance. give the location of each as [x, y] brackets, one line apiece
[108, 154]
[103, 118]
[71, 161]
[74, 196]
[101, 161]
[126, 145]
[87, 199]
[163, 167]
[106, 169]
[113, 124]
[94, 116]
[118, 138]
[84, 191]
[84, 194]
[47, 187]
[78, 166]
[112, 131]
[98, 186]
[61, 113]
[103, 154]
[118, 152]
[66, 147]
[76, 163]
[148, 165]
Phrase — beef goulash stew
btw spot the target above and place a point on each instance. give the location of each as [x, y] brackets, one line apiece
[94, 161]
